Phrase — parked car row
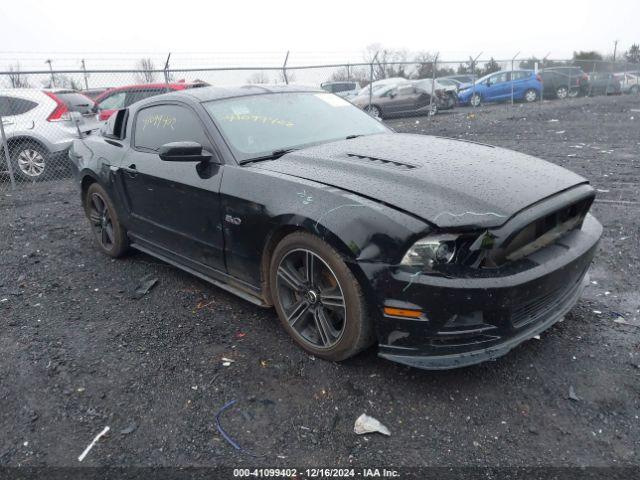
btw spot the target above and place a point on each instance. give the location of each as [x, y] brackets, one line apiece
[40, 124]
[406, 97]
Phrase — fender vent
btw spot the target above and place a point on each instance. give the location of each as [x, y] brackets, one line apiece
[382, 162]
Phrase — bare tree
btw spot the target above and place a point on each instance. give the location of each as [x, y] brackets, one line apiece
[351, 74]
[16, 77]
[386, 62]
[60, 80]
[145, 73]
[258, 77]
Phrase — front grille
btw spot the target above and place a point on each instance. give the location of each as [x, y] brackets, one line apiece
[546, 230]
[532, 311]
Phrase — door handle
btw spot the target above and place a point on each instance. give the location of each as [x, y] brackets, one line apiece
[131, 171]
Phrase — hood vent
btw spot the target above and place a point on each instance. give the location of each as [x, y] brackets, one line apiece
[383, 163]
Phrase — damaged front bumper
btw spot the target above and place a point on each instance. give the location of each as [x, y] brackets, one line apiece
[465, 321]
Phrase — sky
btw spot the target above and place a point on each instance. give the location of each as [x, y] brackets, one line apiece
[242, 32]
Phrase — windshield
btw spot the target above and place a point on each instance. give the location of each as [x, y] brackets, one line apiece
[258, 125]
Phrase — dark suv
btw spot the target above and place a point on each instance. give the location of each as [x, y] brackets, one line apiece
[562, 82]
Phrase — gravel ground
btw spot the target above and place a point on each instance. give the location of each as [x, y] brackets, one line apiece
[80, 353]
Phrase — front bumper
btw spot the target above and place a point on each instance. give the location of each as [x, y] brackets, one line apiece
[470, 320]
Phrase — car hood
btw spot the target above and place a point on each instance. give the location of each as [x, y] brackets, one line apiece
[447, 182]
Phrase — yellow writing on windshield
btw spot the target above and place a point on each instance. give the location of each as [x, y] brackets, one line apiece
[258, 119]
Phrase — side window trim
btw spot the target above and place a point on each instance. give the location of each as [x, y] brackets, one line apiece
[209, 147]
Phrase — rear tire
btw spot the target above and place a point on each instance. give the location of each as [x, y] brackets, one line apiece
[30, 161]
[105, 224]
[374, 111]
[318, 300]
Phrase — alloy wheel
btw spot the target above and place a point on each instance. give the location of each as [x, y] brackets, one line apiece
[530, 96]
[475, 100]
[31, 162]
[562, 92]
[374, 111]
[311, 298]
[101, 221]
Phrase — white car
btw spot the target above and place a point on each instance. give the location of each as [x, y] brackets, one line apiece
[40, 126]
[378, 84]
[346, 89]
[629, 82]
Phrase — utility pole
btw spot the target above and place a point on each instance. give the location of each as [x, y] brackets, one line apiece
[615, 49]
[86, 77]
[53, 80]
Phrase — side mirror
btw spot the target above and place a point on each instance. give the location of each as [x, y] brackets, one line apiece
[488, 82]
[183, 152]
[95, 108]
[392, 94]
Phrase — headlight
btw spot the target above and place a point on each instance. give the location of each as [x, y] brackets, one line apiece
[430, 251]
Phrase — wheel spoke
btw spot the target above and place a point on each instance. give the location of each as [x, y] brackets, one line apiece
[326, 331]
[291, 277]
[309, 267]
[298, 311]
[332, 299]
[104, 239]
[109, 229]
[97, 203]
[94, 217]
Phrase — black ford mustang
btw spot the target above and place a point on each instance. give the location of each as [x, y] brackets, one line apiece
[444, 252]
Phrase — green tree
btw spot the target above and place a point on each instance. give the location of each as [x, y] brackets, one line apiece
[490, 67]
[633, 54]
[589, 61]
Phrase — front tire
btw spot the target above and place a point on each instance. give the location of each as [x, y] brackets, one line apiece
[318, 299]
[30, 161]
[530, 96]
[105, 224]
[562, 92]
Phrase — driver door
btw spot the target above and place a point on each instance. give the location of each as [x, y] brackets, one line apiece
[172, 208]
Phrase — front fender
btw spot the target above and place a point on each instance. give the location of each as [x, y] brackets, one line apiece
[259, 205]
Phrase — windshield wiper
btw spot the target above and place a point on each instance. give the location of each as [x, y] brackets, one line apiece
[349, 137]
[272, 156]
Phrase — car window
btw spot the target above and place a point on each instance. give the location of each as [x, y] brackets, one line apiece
[113, 102]
[134, 96]
[15, 106]
[75, 102]
[406, 90]
[154, 126]
[343, 87]
[500, 77]
[521, 75]
[257, 125]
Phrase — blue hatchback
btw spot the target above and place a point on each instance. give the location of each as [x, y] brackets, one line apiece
[497, 87]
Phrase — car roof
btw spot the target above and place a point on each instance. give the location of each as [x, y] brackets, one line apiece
[153, 85]
[204, 94]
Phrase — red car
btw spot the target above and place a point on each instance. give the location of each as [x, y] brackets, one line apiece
[121, 97]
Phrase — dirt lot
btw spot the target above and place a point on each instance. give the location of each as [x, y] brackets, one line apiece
[79, 353]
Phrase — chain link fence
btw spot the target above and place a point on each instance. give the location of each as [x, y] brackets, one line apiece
[42, 112]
